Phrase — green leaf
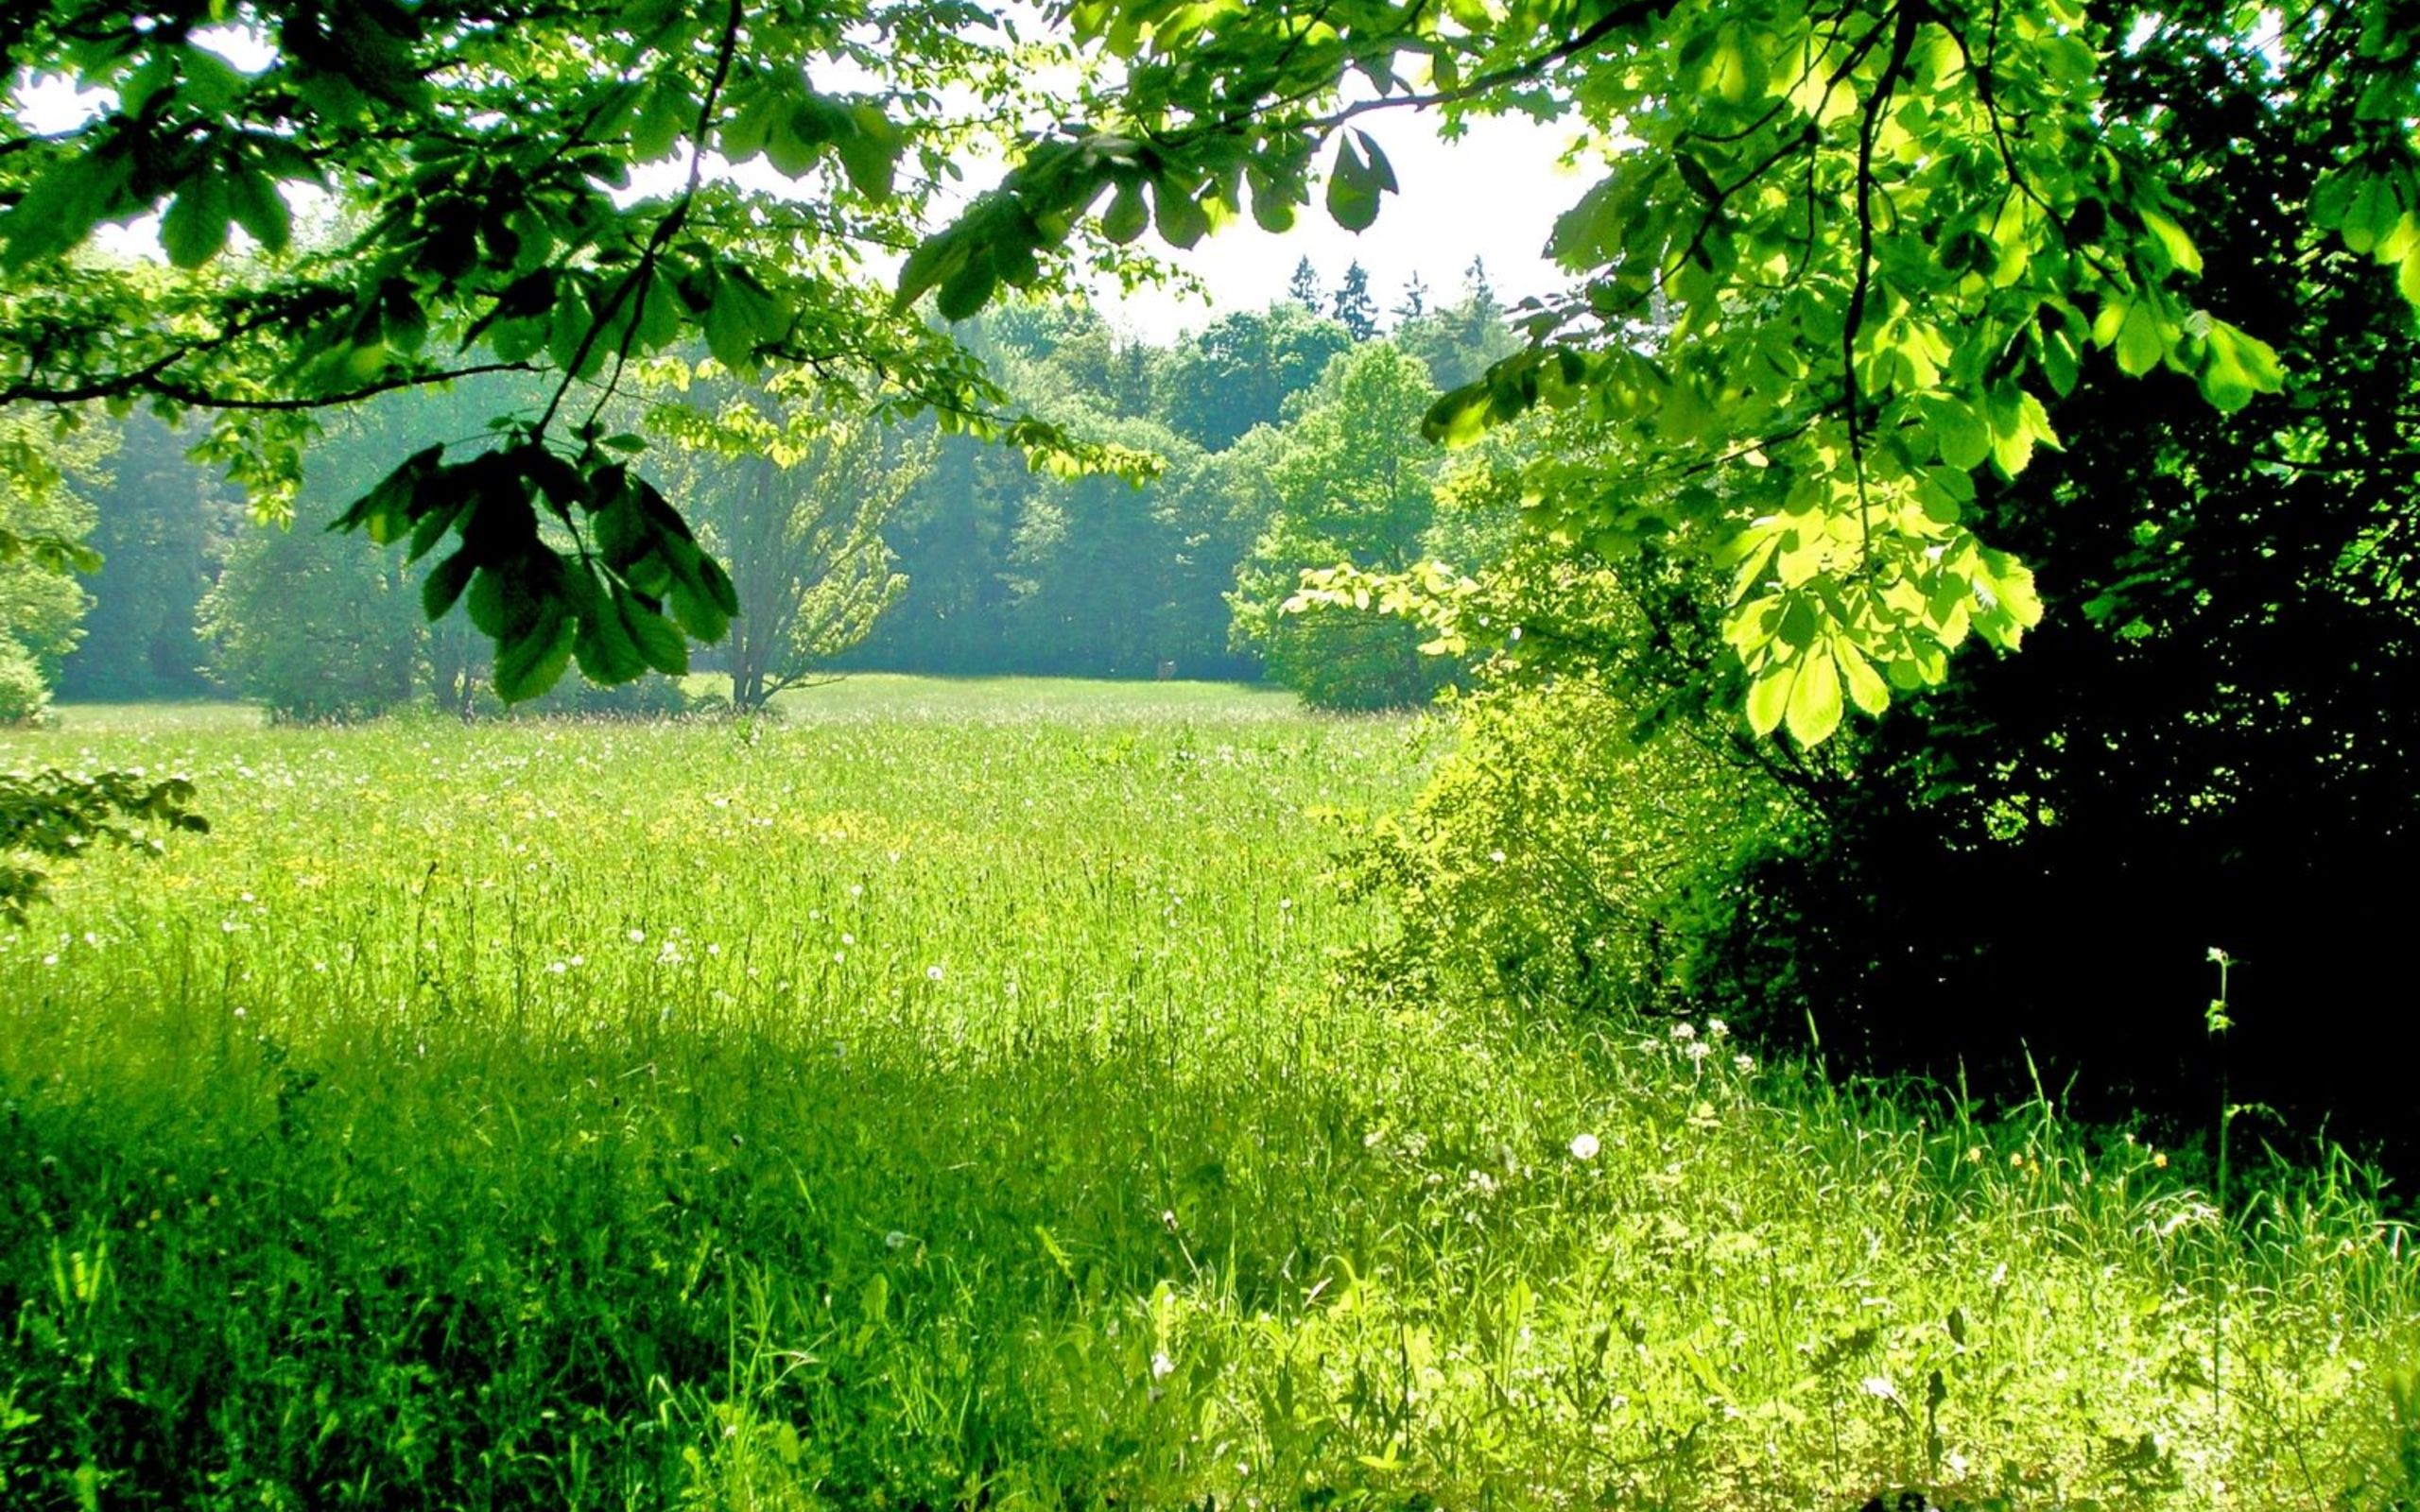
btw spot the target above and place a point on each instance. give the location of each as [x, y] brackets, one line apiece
[1866, 688]
[2141, 339]
[603, 645]
[1814, 700]
[935, 260]
[1183, 221]
[966, 291]
[1960, 436]
[1126, 214]
[667, 113]
[870, 152]
[659, 641]
[258, 208]
[1768, 696]
[1354, 185]
[2174, 245]
[195, 227]
[1588, 234]
[2236, 366]
[61, 208]
[529, 664]
[444, 584]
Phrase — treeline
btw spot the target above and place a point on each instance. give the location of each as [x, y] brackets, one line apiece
[1289, 439]
[1285, 439]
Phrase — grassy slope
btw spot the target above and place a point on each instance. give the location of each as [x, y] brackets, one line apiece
[962, 1092]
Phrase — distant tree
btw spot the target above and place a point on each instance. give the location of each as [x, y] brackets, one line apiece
[1414, 302]
[1238, 374]
[1303, 287]
[1351, 481]
[1477, 288]
[312, 627]
[1353, 308]
[44, 520]
[951, 537]
[164, 524]
[794, 501]
[1096, 568]
[1458, 341]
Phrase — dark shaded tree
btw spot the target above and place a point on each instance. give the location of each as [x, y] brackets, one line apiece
[1352, 305]
[164, 524]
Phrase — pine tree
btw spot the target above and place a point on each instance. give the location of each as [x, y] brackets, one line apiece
[1475, 283]
[1303, 287]
[1353, 308]
[1414, 302]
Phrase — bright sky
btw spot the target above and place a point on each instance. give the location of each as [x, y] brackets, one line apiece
[1493, 193]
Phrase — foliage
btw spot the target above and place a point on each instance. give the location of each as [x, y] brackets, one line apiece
[794, 499]
[2211, 744]
[1351, 307]
[44, 520]
[24, 693]
[1349, 482]
[162, 525]
[312, 628]
[51, 817]
[634, 1154]
[1238, 372]
[1842, 260]
[477, 166]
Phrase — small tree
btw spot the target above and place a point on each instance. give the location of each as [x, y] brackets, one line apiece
[1352, 307]
[1303, 287]
[794, 501]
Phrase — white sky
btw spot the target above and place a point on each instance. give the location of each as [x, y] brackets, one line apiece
[1493, 193]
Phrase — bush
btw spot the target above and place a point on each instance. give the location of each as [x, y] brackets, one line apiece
[319, 628]
[1555, 856]
[24, 698]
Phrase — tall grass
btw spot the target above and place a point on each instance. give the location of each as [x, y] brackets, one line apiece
[963, 1096]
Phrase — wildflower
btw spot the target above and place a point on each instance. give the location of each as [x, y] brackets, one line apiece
[1975, 1155]
[1683, 1031]
[932, 973]
[638, 937]
[1583, 1146]
[894, 1240]
[2159, 1158]
[1745, 1063]
[1161, 1367]
[1717, 1029]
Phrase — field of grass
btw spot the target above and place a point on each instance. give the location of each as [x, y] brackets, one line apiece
[972, 1094]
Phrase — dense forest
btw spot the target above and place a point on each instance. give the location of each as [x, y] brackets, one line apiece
[987, 566]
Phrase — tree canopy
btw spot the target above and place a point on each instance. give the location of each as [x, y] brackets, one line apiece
[1840, 256]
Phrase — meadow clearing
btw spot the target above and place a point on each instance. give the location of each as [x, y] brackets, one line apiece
[977, 1094]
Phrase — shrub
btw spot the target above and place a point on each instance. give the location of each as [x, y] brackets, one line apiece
[1558, 855]
[25, 696]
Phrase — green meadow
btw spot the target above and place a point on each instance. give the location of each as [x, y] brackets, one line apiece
[982, 1094]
